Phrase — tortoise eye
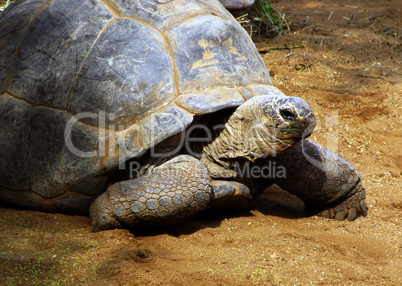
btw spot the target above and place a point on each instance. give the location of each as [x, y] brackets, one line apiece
[287, 114]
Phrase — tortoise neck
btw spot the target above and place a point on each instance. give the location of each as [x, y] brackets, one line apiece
[227, 147]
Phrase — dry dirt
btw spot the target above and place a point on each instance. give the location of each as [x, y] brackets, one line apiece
[346, 63]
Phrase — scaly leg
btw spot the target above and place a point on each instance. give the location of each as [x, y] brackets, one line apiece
[172, 192]
[328, 184]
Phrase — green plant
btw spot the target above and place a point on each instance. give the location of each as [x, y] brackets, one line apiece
[265, 10]
[266, 20]
[4, 4]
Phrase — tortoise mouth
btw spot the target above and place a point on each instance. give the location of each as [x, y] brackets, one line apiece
[297, 130]
[296, 133]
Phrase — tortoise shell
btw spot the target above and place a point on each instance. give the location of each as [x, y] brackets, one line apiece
[88, 84]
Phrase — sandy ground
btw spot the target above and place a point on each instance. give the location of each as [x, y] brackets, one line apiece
[346, 63]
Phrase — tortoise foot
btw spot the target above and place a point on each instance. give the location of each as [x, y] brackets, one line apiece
[351, 208]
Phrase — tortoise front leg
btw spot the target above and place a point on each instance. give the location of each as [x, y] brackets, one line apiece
[328, 184]
[172, 192]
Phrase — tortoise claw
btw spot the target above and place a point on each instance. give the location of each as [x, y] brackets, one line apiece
[228, 194]
[340, 215]
[352, 214]
[325, 214]
[351, 208]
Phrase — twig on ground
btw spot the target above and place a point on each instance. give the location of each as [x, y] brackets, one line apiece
[267, 50]
[366, 76]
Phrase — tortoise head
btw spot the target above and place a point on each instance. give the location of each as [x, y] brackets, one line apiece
[271, 125]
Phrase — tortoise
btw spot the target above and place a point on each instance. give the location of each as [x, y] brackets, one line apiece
[143, 113]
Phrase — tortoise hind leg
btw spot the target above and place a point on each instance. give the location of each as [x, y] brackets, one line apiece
[328, 184]
[170, 193]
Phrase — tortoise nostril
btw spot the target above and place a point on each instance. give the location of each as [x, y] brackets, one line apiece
[287, 114]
